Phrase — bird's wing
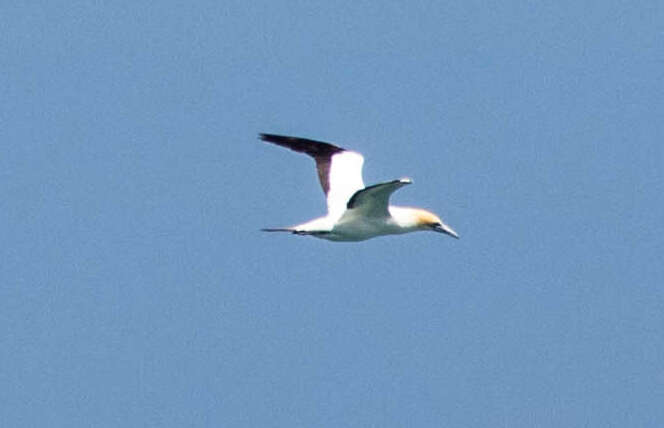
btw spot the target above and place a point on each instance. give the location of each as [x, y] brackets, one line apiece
[339, 170]
[373, 201]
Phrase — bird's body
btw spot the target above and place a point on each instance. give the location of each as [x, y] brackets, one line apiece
[355, 212]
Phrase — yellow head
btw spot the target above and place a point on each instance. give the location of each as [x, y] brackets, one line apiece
[426, 220]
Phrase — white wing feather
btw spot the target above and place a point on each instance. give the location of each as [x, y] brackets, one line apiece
[345, 178]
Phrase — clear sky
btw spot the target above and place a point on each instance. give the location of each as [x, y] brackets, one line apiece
[137, 290]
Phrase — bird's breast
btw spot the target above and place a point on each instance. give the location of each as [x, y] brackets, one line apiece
[361, 228]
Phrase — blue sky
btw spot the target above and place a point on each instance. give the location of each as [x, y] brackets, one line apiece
[136, 289]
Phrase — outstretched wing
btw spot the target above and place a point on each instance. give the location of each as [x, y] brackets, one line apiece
[339, 170]
[373, 201]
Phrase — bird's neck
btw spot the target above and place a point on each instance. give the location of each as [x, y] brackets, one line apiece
[405, 217]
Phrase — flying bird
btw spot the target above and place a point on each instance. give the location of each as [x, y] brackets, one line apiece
[354, 212]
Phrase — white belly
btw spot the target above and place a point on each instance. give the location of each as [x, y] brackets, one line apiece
[360, 229]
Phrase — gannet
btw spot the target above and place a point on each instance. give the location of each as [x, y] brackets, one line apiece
[354, 212]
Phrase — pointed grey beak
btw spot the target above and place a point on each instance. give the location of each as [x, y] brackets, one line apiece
[443, 228]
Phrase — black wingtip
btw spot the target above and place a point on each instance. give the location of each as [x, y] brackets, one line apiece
[275, 138]
[303, 145]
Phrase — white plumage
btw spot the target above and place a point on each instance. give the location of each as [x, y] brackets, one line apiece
[345, 178]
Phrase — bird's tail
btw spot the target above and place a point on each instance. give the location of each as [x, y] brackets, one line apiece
[293, 231]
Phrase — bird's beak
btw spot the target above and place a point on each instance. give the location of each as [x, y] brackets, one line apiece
[443, 228]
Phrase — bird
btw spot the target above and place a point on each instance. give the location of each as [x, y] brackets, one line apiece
[354, 212]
